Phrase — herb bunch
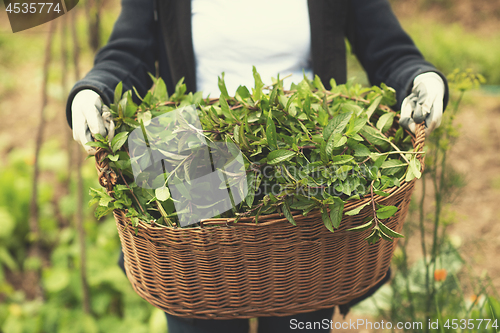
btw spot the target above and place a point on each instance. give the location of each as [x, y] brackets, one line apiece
[315, 148]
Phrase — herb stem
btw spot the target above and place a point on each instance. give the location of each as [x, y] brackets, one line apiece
[373, 204]
[280, 80]
[390, 142]
[402, 152]
[131, 192]
[176, 168]
[163, 213]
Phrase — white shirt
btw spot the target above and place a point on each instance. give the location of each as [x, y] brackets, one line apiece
[231, 36]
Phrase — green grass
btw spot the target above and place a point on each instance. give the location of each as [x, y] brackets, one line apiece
[450, 46]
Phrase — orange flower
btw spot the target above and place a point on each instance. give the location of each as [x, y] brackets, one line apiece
[440, 274]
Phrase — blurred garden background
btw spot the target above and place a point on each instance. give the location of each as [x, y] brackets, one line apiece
[58, 264]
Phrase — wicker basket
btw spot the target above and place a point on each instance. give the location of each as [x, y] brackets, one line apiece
[230, 270]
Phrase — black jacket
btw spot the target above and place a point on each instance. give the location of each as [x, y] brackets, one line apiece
[150, 30]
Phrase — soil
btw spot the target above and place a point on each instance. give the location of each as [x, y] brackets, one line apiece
[475, 155]
[482, 16]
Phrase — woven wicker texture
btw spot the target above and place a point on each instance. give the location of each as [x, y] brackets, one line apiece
[231, 270]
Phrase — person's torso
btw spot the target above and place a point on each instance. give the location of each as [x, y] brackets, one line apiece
[231, 36]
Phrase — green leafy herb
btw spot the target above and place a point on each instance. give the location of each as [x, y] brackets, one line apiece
[305, 149]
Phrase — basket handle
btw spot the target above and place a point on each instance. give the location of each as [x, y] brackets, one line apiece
[419, 140]
[107, 177]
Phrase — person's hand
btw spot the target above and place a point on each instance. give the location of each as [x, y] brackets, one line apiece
[424, 103]
[90, 116]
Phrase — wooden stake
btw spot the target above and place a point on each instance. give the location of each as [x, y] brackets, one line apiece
[35, 246]
[79, 185]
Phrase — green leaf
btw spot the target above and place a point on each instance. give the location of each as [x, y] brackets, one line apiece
[222, 87]
[322, 152]
[383, 235]
[271, 132]
[306, 106]
[303, 205]
[352, 107]
[415, 167]
[257, 91]
[160, 92]
[409, 175]
[147, 98]
[118, 141]
[145, 117]
[96, 144]
[378, 159]
[373, 136]
[280, 155]
[253, 182]
[389, 95]
[356, 211]
[318, 84]
[336, 211]
[105, 200]
[180, 90]
[118, 93]
[341, 159]
[213, 115]
[385, 121]
[130, 107]
[303, 89]
[101, 211]
[361, 150]
[374, 236]
[362, 227]
[322, 117]
[226, 109]
[388, 231]
[243, 92]
[391, 167]
[399, 135]
[340, 142]
[99, 137]
[386, 212]
[393, 163]
[131, 122]
[289, 102]
[243, 138]
[304, 128]
[162, 193]
[355, 125]
[373, 106]
[337, 124]
[113, 158]
[288, 214]
[274, 93]
[326, 219]
[381, 193]
[332, 143]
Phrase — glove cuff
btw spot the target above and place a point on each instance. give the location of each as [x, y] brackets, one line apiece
[429, 77]
[86, 97]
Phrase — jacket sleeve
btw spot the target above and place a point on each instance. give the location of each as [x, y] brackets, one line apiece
[385, 51]
[128, 56]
